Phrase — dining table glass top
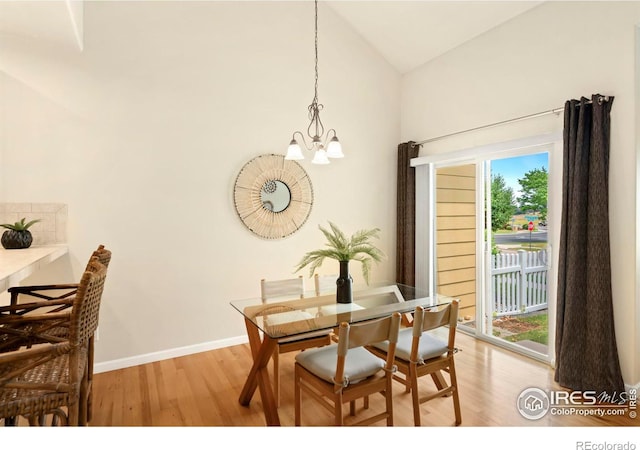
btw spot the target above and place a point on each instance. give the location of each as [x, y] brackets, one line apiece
[284, 317]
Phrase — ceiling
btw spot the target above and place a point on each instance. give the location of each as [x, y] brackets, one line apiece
[57, 22]
[410, 33]
[406, 33]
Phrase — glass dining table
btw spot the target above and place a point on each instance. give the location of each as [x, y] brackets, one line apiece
[268, 321]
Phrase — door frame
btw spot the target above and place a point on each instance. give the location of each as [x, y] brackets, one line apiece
[425, 275]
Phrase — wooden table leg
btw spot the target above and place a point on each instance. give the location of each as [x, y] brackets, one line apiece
[259, 375]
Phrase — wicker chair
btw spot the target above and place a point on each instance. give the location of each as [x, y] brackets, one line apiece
[104, 257]
[48, 377]
[26, 335]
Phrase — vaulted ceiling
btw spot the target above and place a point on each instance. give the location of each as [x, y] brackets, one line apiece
[406, 33]
[410, 33]
[57, 22]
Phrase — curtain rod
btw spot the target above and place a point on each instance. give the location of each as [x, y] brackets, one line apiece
[517, 119]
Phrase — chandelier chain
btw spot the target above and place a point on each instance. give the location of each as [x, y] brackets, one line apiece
[325, 146]
[315, 99]
[315, 107]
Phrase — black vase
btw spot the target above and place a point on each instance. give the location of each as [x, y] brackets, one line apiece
[344, 284]
[12, 239]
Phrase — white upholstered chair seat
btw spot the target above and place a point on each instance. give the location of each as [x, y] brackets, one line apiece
[286, 317]
[275, 320]
[429, 346]
[419, 353]
[359, 364]
[344, 372]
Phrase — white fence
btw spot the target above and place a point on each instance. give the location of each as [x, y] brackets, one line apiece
[519, 282]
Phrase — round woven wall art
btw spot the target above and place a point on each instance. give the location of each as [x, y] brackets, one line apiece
[273, 196]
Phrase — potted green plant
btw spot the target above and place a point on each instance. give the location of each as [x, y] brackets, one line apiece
[358, 247]
[17, 235]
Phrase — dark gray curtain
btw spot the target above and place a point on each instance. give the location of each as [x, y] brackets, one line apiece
[586, 352]
[406, 215]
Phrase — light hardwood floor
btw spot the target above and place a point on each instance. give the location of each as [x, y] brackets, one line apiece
[203, 390]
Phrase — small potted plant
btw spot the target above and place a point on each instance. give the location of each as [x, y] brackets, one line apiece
[17, 235]
[358, 247]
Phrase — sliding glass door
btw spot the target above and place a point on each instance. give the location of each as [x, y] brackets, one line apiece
[517, 252]
[484, 232]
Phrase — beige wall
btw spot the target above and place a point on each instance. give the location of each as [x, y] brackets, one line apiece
[143, 133]
[557, 51]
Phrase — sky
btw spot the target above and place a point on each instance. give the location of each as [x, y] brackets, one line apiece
[513, 168]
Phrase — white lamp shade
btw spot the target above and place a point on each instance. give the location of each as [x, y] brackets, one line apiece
[334, 149]
[320, 157]
[294, 151]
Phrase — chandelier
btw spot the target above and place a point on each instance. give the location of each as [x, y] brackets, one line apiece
[324, 147]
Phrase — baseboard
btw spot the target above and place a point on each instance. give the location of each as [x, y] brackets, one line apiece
[131, 361]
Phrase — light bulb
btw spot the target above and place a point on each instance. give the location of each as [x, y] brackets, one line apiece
[320, 157]
[334, 149]
[294, 151]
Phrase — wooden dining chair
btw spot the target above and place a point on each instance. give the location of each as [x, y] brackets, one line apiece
[419, 353]
[48, 378]
[325, 284]
[52, 331]
[346, 371]
[290, 288]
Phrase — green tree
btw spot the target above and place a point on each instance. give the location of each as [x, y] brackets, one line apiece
[502, 204]
[534, 192]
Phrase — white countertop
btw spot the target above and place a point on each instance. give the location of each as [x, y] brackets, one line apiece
[17, 264]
